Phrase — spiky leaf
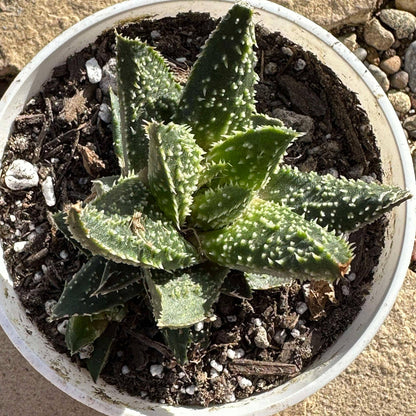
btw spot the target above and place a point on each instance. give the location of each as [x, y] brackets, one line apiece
[178, 340]
[102, 185]
[117, 276]
[174, 167]
[101, 353]
[265, 281]
[83, 330]
[125, 226]
[216, 208]
[219, 95]
[249, 157]
[271, 239]
[259, 120]
[77, 297]
[184, 298]
[340, 204]
[146, 91]
[119, 144]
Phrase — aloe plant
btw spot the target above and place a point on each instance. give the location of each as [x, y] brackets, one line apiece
[202, 192]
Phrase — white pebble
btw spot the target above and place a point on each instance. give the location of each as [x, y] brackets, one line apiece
[19, 246]
[105, 113]
[217, 366]
[232, 318]
[21, 175]
[181, 374]
[181, 60]
[295, 333]
[199, 326]
[214, 373]
[37, 277]
[49, 305]
[300, 64]
[287, 51]
[345, 290]
[230, 398]
[190, 389]
[257, 321]
[94, 71]
[301, 308]
[261, 339]
[244, 382]
[125, 370]
[54, 160]
[239, 353]
[155, 34]
[48, 192]
[63, 254]
[109, 78]
[156, 370]
[231, 354]
[12, 218]
[351, 277]
[44, 268]
[62, 327]
[86, 352]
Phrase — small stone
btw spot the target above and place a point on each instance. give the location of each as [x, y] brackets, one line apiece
[21, 175]
[301, 308]
[257, 322]
[345, 290]
[391, 65]
[287, 51]
[295, 333]
[377, 36]
[239, 353]
[38, 277]
[48, 192]
[86, 352]
[231, 354]
[62, 327]
[49, 305]
[400, 101]
[190, 389]
[156, 370]
[63, 255]
[19, 246]
[270, 68]
[402, 22]
[243, 382]
[351, 277]
[181, 60]
[399, 80]
[380, 76]
[300, 65]
[125, 370]
[350, 41]
[94, 71]
[105, 113]
[155, 34]
[373, 56]
[408, 5]
[217, 366]
[280, 336]
[230, 398]
[199, 326]
[109, 77]
[361, 54]
[260, 339]
[232, 318]
[214, 373]
[410, 65]
[410, 123]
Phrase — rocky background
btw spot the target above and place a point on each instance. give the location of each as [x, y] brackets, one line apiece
[382, 381]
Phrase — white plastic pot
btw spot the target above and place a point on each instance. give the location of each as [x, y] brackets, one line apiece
[389, 275]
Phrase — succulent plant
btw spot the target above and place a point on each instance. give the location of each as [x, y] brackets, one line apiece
[202, 191]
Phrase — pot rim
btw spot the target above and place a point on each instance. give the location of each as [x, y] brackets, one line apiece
[296, 389]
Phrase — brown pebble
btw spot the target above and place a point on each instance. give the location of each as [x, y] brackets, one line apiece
[399, 80]
[372, 56]
[391, 65]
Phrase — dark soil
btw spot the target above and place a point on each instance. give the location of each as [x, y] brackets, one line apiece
[61, 133]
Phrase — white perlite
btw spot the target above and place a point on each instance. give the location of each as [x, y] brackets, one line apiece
[125, 370]
[48, 192]
[62, 327]
[244, 382]
[19, 246]
[94, 71]
[105, 113]
[190, 390]
[49, 305]
[216, 366]
[199, 326]
[156, 370]
[21, 175]
[260, 339]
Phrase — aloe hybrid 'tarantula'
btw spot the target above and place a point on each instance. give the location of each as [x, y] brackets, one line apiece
[202, 192]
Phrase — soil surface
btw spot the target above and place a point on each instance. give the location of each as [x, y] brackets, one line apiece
[254, 344]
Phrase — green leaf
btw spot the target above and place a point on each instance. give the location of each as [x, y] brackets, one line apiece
[83, 330]
[117, 276]
[265, 281]
[178, 340]
[174, 167]
[219, 95]
[185, 297]
[77, 297]
[216, 208]
[120, 145]
[339, 204]
[271, 239]
[101, 353]
[251, 156]
[125, 226]
[262, 120]
[102, 185]
[146, 91]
